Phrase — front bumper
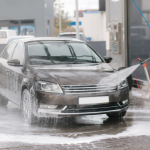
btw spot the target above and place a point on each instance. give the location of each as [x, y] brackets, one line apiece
[72, 99]
[79, 112]
[69, 105]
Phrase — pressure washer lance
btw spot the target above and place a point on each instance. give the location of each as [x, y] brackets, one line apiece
[144, 64]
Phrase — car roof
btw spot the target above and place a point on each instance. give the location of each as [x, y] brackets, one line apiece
[14, 38]
[26, 40]
[70, 33]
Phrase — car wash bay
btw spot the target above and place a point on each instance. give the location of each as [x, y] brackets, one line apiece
[138, 37]
[87, 129]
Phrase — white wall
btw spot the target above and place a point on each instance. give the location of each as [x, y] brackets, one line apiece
[93, 25]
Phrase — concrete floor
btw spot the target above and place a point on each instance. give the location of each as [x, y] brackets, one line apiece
[88, 132]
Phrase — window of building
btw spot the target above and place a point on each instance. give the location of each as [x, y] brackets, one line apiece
[27, 21]
[14, 25]
[48, 27]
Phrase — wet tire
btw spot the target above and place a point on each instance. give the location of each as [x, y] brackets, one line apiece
[3, 102]
[116, 115]
[129, 79]
[27, 108]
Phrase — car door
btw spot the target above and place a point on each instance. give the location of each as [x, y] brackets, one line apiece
[16, 73]
[4, 70]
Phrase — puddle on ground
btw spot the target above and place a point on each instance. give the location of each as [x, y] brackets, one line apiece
[85, 128]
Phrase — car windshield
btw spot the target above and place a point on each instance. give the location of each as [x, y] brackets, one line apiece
[49, 53]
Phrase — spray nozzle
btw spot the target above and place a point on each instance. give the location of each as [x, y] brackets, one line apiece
[143, 61]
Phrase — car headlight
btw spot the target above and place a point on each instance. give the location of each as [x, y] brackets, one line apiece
[48, 87]
[123, 84]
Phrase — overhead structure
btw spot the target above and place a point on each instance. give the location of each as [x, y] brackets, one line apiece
[59, 16]
[102, 5]
[77, 20]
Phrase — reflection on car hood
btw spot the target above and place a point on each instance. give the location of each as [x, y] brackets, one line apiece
[74, 74]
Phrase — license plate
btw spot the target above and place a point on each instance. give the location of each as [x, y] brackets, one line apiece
[93, 100]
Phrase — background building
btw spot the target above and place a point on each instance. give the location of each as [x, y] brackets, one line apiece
[34, 17]
[92, 23]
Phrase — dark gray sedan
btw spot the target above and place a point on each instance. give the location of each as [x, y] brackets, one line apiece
[55, 77]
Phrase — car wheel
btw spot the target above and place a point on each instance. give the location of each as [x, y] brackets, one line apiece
[27, 108]
[129, 79]
[116, 115]
[3, 102]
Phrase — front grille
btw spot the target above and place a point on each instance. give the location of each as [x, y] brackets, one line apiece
[88, 89]
[95, 108]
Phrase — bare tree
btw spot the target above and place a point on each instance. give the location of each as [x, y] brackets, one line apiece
[64, 18]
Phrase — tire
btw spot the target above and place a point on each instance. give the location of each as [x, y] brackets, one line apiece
[3, 102]
[116, 115]
[27, 108]
[129, 79]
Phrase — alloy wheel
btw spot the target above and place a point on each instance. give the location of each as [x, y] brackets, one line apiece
[27, 107]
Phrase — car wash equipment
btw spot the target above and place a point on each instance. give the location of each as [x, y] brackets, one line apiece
[143, 63]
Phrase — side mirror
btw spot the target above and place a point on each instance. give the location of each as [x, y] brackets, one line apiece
[13, 62]
[108, 59]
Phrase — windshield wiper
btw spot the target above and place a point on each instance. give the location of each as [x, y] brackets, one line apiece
[84, 61]
[42, 63]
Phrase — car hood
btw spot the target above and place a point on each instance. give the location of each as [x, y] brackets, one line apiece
[73, 74]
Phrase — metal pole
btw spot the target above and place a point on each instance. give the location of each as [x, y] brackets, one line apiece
[77, 21]
[59, 17]
[147, 75]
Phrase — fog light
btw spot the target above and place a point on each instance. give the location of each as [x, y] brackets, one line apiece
[125, 102]
[48, 106]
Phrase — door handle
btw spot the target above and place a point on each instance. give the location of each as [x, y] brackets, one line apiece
[7, 70]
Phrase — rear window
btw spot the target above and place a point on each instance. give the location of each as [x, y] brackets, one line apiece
[3, 34]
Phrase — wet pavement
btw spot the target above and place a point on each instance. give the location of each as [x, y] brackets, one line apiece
[87, 132]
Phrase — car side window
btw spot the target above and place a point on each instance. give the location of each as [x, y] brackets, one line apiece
[7, 54]
[19, 53]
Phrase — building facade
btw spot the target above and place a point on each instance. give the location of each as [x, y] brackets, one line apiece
[28, 17]
[92, 23]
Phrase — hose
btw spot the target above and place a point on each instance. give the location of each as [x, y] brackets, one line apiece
[137, 81]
